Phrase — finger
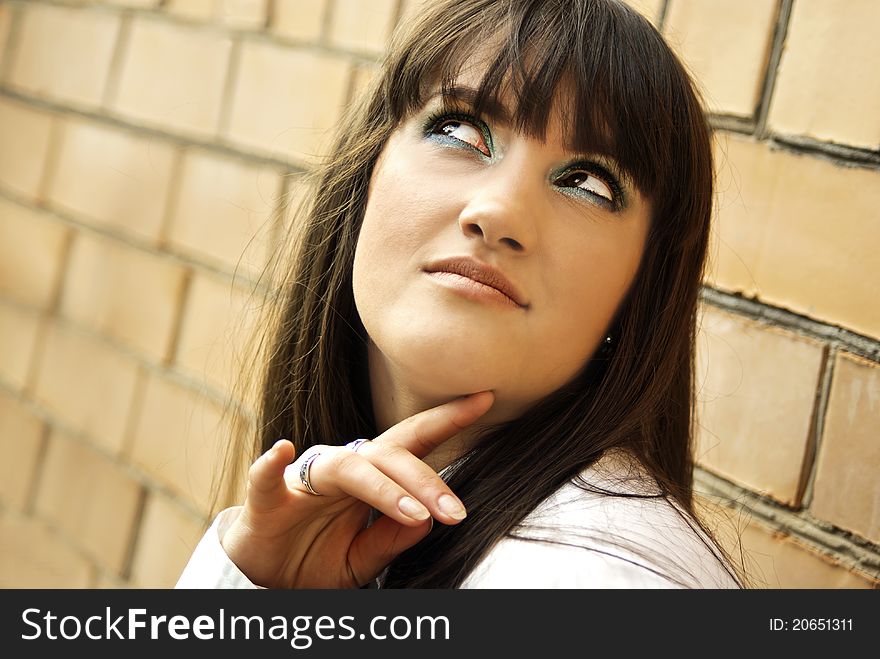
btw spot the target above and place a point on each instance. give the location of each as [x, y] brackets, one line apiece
[376, 546]
[416, 477]
[266, 487]
[337, 471]
[423, 432]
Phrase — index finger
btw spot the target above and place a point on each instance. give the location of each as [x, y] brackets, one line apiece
[423, 432]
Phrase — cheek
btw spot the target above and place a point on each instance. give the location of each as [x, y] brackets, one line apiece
[402, 219]
[403, 211]
[591, 282]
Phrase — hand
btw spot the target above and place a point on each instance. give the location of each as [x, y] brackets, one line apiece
[286, 537]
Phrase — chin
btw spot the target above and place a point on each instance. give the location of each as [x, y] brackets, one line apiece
[439, 373]
[444, 375]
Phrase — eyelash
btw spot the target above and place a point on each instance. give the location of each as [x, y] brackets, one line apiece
[437, 118]
[616, 203]
[433, 122]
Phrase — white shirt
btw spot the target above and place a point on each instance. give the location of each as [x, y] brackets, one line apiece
[577, 538]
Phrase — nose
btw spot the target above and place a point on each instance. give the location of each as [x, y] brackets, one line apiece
[502, 211]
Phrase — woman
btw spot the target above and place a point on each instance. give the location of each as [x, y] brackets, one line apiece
[497, 279]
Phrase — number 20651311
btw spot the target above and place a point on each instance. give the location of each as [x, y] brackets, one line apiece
[811, 624]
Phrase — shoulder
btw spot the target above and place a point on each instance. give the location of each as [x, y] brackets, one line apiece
[609, 528]
[519, 563]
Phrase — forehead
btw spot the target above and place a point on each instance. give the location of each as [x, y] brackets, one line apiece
[505, 103]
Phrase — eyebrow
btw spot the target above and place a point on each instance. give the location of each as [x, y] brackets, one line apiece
[491, 106]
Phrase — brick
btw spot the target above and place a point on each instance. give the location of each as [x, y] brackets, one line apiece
[167, 537]
[19, 331]
[113, 178]
[847, 488]
[757, 386]
[31, 255]
[21, 435]
[827, 86]
[780, 561]
[201, 10]
[224, 211]
[362, 26]
[743, 169]
[362, 77]
[32, 556]
[146, 4]
[650, 9]
[298, 195]
[87, 384]
[178, 440]
[214, 336]
[188, 100]
[5, 22]
[302, 20]
[773, 238]
[726, 45]
[65, 53]
[244, 14]
[106, 581]
[307, 91]
[773, 559]
[91, 499]
[128, 294]
[24, 134]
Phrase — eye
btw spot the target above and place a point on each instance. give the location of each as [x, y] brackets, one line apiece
[594, 181]
[462, 128]
[589, 182]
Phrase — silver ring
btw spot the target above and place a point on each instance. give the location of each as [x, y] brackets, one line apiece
[356, 444]
[304, 469]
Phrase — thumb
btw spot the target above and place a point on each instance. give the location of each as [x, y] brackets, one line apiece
[379, 544]
[266, 487]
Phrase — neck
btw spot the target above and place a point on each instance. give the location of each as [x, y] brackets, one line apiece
[396, 398]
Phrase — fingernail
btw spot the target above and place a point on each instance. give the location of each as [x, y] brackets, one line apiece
[412, 508]
[451, 506]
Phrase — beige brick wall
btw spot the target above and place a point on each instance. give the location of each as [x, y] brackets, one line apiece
[85, 384]
[32, 252]
[757, 388]
[173, 76]
[5, 21]
[223, 204]
[307, 90]
[21, 438]
[774, 240]
[146, 152]
[730, 57]
[24, 133]
[64, 54]
[300, 21]
[847, 492]
[20, 331]
[805, 103]
[111, 178]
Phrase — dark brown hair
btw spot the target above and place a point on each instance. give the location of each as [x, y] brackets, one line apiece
[630, 98]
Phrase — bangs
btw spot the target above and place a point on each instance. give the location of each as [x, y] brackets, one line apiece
[599, 63]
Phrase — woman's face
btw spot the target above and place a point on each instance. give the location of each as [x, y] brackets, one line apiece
[455, 199]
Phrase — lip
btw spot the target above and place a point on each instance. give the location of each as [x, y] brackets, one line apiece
[482, 273]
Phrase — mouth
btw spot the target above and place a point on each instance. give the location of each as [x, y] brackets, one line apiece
[483, 275]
